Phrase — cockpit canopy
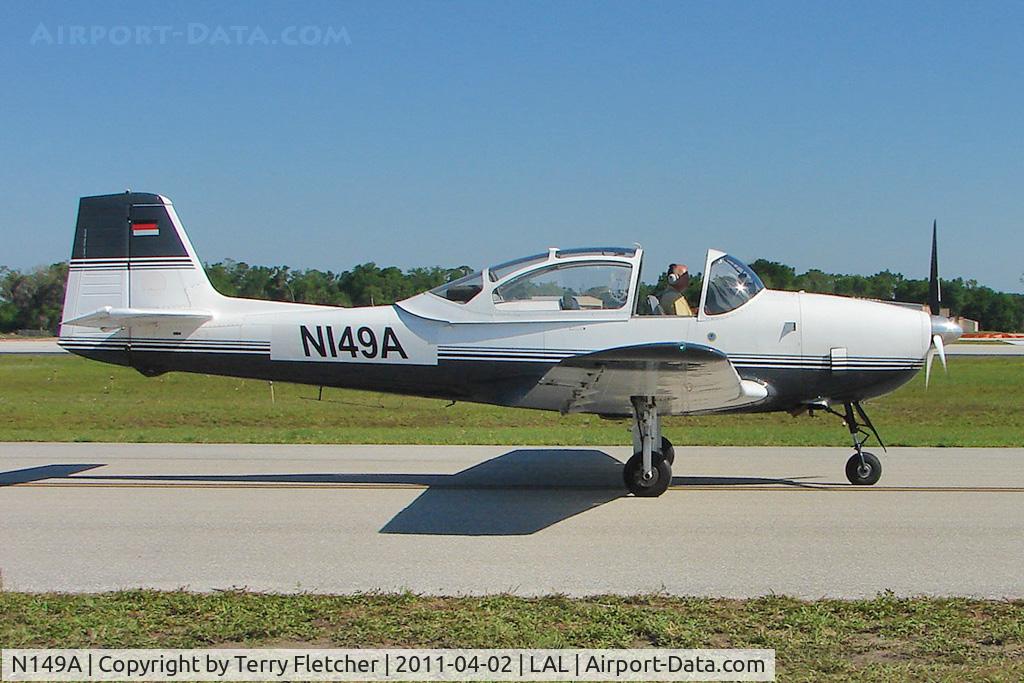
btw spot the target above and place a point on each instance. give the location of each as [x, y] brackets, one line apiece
[595, 283]
[568, 279]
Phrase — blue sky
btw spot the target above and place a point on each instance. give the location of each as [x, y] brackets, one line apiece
[819, 134]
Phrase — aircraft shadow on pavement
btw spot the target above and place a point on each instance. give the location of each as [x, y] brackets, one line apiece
[518, 493]
[31, 474]
[525, 491]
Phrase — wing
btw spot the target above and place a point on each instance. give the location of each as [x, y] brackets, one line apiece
[110, 318]
[684, 378]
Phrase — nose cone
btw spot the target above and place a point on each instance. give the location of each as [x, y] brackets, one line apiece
[945, 328]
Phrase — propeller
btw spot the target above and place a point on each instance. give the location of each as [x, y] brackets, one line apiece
[934, 292]
[936, 349]
[943, 328]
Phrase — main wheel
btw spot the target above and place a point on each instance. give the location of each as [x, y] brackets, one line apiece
[661, 475]
[668, 451]
[863, 474]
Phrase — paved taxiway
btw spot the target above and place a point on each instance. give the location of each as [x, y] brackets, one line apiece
[456, 520]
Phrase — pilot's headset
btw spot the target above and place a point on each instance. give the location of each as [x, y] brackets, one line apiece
[672, 277]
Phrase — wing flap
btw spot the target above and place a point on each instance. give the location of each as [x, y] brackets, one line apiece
[685, 378]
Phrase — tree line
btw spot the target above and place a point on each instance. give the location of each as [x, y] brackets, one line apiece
[32, 300]
[995, 311]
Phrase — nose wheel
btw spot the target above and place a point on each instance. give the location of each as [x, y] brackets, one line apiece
[863, 468]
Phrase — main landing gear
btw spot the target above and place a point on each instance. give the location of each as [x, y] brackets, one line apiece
[649, 472]
[863, 468]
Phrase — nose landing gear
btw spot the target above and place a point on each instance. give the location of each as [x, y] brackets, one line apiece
[863, 468]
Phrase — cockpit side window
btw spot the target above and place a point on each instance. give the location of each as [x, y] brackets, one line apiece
[462, 290]
[569, 286]
[731, 284]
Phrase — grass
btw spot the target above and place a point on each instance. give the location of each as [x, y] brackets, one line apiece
[72, 399]
[872, 640]
[63, 398]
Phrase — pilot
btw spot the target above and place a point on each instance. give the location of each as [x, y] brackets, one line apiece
[672, 301]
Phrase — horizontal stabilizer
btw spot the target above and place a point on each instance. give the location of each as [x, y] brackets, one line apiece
[110, 318]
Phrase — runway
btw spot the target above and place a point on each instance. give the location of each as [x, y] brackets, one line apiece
[1014, 348]
[738, 522]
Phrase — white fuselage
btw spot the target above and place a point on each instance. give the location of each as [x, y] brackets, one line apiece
[141, 298]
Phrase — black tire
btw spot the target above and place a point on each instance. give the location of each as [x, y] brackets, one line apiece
[633, 476]
[668, 451]
[866, 474]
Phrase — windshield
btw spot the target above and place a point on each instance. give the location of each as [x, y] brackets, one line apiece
[731, 284]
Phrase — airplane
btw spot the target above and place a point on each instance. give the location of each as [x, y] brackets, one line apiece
[562, 330]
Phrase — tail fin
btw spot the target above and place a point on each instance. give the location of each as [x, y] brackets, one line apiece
[132, 264]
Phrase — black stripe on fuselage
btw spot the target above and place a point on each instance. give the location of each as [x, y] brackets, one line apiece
[500, 382]
[509, 354]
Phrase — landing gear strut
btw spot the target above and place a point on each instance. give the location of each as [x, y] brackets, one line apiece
[863, 468]
[649, 472]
